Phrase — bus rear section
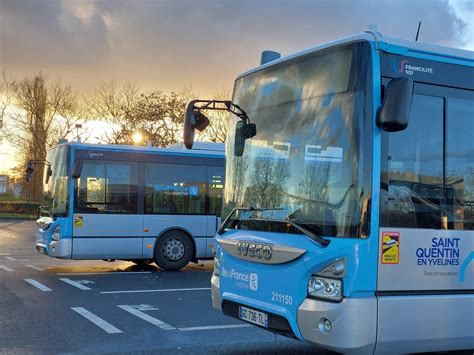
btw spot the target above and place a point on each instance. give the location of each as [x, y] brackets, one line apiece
[133, 203]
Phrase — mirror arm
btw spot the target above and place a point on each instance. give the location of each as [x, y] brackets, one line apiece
[220, 105]
[39, 162]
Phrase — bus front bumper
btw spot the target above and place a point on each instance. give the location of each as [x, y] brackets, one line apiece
[353, 322]
[57, 249]
[347, 327]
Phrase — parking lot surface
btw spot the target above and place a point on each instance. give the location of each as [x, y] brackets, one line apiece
[50, 305]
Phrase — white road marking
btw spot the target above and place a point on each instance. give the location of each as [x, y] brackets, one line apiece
[144, 307]
[78, 284]
[35, 267]
[10, 258]
[6, 268]
[160, 290]
[102, 273]
[146, 317]
[3, 254]
[38, 285]
[109, 328]
[211, 327]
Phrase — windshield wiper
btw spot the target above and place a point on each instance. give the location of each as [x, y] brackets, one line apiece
[299, 226]
[308, 232]
[224, 224]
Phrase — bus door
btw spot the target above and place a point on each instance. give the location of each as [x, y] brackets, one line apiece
[425, 284]
[216, 176]
[107, 222]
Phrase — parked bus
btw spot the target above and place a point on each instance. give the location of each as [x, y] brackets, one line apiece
[360, 238]
[132, 203]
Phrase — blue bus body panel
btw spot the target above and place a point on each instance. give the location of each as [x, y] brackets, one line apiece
[145, 150]
[362, 255]
[291, 278]
[401, 50]
[60, 249]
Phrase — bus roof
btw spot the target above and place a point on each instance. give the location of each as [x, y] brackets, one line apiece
[217, 152]
[217, 147]
[389, 45]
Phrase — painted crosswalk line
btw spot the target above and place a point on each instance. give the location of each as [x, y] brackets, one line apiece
[79, 284]
[137, 311]
[109, 328]
[38, 285]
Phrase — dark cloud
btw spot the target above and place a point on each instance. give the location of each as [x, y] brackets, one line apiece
[168, 44]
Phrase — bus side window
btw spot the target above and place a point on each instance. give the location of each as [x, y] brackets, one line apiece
[175, 189]
[460, 163]
[428, 171]
[107, 187]
[216, 190]
[412, 174]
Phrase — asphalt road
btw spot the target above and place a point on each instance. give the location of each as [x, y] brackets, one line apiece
[50, 305]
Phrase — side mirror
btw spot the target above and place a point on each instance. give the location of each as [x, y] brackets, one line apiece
[243, 131]
[396, 106]
[77, 169]
[193, 120]
[49, 172]
[29, 171]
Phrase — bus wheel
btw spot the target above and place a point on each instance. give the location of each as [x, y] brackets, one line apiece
[173, 251]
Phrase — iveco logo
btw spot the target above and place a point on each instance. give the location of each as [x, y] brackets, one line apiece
[254, 250]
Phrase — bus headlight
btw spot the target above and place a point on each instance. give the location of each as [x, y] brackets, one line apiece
[216, 265]
[56, 234]
[322, 287]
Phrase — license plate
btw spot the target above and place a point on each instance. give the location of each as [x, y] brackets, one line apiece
[252, 316]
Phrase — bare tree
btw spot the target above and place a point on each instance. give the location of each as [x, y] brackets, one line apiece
[111, 104]
[218, 120]
[37, 115]
[157, 116]
[5, 98]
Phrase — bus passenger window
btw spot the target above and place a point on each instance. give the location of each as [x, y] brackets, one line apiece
[216, 190]
[175, 189]
[460, 164]
[412, 172]
[428, 172]
[107, 187]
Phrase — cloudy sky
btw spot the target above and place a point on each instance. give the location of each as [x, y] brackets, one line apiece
[169, 44]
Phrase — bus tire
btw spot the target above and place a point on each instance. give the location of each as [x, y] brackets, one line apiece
[173, 250]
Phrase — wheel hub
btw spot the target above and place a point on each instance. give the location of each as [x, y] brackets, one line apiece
[173, 249]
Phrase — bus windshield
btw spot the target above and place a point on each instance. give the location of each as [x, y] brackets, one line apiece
[310, 160]
[55, 190]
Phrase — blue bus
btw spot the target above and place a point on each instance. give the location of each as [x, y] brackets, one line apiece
[141, 204]
[349, 196]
